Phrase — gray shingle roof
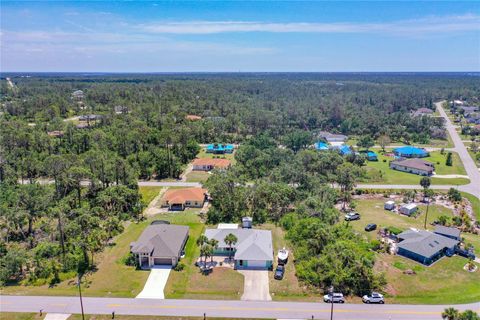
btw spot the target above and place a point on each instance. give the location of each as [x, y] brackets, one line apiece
[453, 232]
[424, 243]
[252, 244]
[161, 240]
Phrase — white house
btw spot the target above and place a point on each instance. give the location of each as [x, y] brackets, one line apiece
[408, 209]
[389, 205]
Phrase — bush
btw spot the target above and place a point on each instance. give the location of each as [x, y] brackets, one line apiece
[130, 260]
[179, 267]
[394, 230]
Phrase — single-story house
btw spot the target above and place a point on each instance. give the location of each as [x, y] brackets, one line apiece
[473, 118]
[219, 148]
[415, 166]
[469, 109]
[410, 152]
[207, 164]
[120, 109]
[371, 156]
[321, 146]
[78, 94]
[408, 209]
[179, 199]
[343, 149]
[160, 244]
[389, 205]
[193, 117]
[331, 137]
[253, 250]
[424, 246]
[55, 133]
[449, 232]
[423, 112]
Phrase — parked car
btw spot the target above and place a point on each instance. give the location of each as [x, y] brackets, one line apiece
[370, 227]
[352, 216]
[375, 297]
[335, 298]
[279, 272]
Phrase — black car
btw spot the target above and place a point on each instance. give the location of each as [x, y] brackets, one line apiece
[279, 272]
[370, 227]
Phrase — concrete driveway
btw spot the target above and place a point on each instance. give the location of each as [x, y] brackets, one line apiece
[256, 285]
[155, 284]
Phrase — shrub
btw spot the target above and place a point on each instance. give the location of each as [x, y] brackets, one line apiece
[394, 230]
[179, 267]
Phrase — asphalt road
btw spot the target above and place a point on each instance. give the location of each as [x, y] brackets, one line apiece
[226, 308]
[472, 171]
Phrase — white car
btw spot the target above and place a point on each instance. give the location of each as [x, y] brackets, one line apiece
[375, 297]
[352, 216]
[336, 297]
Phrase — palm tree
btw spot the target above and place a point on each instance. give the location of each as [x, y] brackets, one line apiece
[214, 244]
[230, 240]
[450, 314]
[200, 242]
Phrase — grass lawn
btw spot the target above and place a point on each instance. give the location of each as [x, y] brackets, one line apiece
[438, 283]
[443, 282]
[197, 176]
[229, 156]
[35, 316]
[473, 155]
[380, 173]
[148, 193]
[289, 287]
[113, 278]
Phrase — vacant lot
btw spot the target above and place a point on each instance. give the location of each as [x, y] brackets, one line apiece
[197, 176]
[148, 193]
[289, 287]
[439, 283]
[380, 173]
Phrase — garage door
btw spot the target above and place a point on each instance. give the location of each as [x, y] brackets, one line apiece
[162, 261]
[256, 264]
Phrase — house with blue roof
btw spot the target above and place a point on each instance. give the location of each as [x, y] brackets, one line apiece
[371, 156]
[219, 148]
[344, 149]
[321, 146]
[410, 152]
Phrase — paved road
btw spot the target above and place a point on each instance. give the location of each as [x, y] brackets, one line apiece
[403, 186]
[472, 171]
[227, 308]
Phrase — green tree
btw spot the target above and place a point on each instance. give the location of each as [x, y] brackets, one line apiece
[230, 240]
[383, 141]
[365, 142]
[450, 314]
[449, 160]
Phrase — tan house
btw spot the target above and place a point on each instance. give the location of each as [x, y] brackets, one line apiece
[207, 164]
[192, 117]
[414, 165]
[179, 199]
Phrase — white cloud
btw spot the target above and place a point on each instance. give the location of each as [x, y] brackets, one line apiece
[427, 25]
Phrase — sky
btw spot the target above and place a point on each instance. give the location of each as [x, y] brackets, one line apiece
[239, 36]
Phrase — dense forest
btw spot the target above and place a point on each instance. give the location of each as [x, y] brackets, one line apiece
[96, 143]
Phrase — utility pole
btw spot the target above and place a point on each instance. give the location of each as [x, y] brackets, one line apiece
[80, 292]
[331, 300]
[426, 215]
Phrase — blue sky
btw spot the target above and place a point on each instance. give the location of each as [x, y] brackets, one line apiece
[182, 36]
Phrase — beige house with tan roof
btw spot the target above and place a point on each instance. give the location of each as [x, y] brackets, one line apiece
[179, 199]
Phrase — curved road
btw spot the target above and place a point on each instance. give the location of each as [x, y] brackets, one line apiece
[225, 308]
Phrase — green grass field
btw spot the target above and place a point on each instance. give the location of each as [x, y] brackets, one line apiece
[148, 194]
[380, 173]
[439, 283]
[197, 176]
